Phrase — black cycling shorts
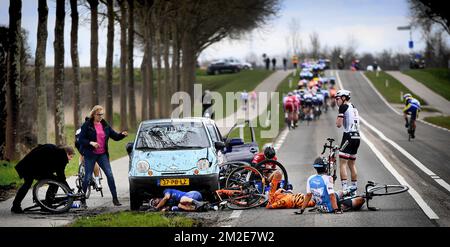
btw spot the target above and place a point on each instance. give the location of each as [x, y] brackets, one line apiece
[351, 141]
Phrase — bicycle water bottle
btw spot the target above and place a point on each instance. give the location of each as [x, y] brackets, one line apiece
[75, 205]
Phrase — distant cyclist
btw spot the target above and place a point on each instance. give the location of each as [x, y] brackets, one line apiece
[348, 118]
[320, 189]
[412, 107]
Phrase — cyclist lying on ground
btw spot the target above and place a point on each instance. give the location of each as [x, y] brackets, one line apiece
[280, 198]
[320, 189]
[176, 199]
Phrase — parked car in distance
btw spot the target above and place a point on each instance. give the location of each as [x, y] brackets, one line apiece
[222, 67]
[177, 153]
[241, 65]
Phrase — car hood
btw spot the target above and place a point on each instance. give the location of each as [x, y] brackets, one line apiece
[173, 161]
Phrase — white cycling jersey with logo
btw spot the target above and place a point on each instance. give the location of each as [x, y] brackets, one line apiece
[351, 119]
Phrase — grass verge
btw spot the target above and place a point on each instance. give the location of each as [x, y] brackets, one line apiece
[438, 80]
[134, 219]
[443, 121]
[392, 92]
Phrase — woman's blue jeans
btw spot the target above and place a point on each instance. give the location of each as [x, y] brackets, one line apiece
[103, 162]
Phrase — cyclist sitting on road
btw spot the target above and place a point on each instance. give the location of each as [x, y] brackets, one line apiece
[281, 198]
[320, 189]
[412, 106]
[41, 163]
[176, 199]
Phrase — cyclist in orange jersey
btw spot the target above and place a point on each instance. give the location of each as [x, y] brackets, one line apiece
[281, 198]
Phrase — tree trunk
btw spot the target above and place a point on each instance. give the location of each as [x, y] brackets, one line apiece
[109, 63]
[131, 93]
[13, 84]
[94, 50]
[149, 69]
[188, 65]
[175, 59]
[167, 80]
[144, 110]
[3, 78]
[59, 73]
[123, 65]
[159, 112]
[75, 65]
[39, 72]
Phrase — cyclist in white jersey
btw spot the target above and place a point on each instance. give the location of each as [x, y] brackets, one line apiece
[348, 118]
[319, 188]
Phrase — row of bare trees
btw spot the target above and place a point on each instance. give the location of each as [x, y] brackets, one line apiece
[170, 33]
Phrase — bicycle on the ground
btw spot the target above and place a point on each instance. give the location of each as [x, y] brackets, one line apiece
[53, 197]
[373, 189]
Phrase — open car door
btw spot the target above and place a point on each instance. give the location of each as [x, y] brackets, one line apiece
[240, 143]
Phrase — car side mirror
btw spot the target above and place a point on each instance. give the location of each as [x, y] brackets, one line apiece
[219, 145]
[129, 147]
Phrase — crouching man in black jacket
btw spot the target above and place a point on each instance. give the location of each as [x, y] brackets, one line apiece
[41, 163]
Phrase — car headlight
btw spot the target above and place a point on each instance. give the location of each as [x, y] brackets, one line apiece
[142, 166]
[203, 164]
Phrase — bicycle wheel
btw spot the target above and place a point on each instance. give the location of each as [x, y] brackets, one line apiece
[226, 168]
[80, 179]
[267, 167]
[247, 201]
[388, 189]
[252, 184]
[52, 196]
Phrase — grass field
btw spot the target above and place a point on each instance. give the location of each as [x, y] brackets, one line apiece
[443, 121]
[392, 92]
[437, 80]
[134, 219]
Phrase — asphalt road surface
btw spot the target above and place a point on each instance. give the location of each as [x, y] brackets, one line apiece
[426, 203]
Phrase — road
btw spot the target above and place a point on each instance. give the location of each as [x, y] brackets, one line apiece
[430, 148]
[389, 158]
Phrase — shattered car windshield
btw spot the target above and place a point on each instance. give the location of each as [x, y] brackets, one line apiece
[172, 136]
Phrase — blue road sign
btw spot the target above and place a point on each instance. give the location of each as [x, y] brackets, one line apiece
[411, 44]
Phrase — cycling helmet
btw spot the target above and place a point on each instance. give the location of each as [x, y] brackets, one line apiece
[319, 163]
[342, 93]
[407, 95]
[290, 94]
[269, 152]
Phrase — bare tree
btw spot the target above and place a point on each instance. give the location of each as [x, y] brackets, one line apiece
[131, 93]
[123, 65]
[315, 45]
[13, 83]
[39, 72]
[3, 78]
[109, 62]
[59, 73]
[93, 4]
[75, 64]
[429, 11]
[294, 38]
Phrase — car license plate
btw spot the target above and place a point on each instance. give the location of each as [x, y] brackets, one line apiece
[174, 181]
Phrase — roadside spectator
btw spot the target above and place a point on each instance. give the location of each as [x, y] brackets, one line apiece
[94, 136]
[274, 63]
[267, 63]
[41, 163]
[284, 63]
[244, 98]
[206, 103]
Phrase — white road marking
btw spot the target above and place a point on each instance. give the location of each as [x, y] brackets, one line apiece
[422, 204]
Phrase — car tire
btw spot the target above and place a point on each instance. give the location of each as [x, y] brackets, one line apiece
[216, 72]
[135, 200]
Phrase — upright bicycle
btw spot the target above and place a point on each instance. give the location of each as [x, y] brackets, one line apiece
[330, 159]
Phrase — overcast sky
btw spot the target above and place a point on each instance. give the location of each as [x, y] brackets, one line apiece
[373, 24]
